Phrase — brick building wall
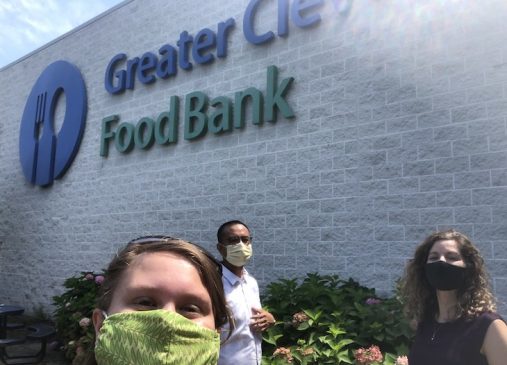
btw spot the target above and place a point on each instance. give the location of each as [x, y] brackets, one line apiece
[400, 130]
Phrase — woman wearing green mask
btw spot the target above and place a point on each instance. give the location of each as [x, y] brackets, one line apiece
[162, 302]
[447, 295]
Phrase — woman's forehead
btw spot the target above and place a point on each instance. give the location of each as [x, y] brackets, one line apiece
[445, 245]
[164, 269]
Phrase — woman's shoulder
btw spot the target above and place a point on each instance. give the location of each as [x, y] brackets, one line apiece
[488, 317]
[483, 321]
[495, 341]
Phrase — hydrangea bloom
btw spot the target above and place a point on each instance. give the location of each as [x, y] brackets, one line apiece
[368, 356]
[306, 352]
[401, 360]
[85, 322]
[372, 301]
[298, 318]
[283, 353]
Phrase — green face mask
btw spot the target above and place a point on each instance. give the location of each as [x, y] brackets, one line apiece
[156, 337]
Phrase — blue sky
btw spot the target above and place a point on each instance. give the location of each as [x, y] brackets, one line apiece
[26, 25]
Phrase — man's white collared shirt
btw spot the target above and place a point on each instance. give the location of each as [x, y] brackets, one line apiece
[244, 346]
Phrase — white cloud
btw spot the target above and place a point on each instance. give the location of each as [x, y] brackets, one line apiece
[26, 25]
[5, 6]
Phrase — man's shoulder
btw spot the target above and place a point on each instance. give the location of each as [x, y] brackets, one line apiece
[248, 275]
[228, 277]
[250, 279]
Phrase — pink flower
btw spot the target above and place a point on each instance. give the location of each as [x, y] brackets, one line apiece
[89, 276]
[368, 356]
[283, 353]
[306, 352]
[85, 322]
[401, 360]
[99, 279]
[373, 301]
[298, 318]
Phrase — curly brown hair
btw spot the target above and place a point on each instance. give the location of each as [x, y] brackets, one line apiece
[420, 299]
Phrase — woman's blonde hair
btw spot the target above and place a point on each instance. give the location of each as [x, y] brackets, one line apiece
[420, 299]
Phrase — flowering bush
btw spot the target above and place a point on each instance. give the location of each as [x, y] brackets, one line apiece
[326, 320]
[74, 311]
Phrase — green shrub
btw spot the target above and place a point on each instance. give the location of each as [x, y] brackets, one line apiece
[74, 312]
[325, 319]
[322, 320]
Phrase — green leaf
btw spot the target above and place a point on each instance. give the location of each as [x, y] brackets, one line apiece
[314, 315]
[343, 356]
[334, 330]
[303, 326]
[341, 344]
[272, 339]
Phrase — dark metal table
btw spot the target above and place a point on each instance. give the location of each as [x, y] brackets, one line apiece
[8, 310]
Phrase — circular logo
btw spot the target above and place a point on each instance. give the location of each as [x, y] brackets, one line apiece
[45, 156]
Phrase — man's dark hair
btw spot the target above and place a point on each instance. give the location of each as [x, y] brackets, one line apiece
[226, 225]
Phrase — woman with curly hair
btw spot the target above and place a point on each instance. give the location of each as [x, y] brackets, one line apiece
[447, 295]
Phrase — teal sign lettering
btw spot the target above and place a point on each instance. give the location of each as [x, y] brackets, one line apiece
[201, 116]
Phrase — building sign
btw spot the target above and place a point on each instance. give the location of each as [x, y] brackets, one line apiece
[123, 73]
[45, 156]
[207, 45]
[225, 115]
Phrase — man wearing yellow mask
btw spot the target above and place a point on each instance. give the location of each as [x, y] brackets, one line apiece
[242, 294]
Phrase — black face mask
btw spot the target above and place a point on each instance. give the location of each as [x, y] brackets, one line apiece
[444, 276]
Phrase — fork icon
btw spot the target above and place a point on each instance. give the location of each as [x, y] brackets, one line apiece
[44, 154]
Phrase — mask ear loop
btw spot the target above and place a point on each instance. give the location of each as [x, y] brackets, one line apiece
[105, 315]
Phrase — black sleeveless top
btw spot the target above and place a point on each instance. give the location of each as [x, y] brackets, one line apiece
[453, 343]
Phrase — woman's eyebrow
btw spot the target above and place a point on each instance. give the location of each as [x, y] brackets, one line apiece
[149, 289]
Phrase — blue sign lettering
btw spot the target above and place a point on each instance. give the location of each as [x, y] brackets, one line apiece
[300, 14]
[147, 68]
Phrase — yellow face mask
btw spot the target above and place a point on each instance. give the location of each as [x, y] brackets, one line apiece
[238, 254]
[156, 337]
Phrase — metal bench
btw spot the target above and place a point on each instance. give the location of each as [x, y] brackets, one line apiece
[11, 341]
[36, 333]
[40, 331]
[14, 326]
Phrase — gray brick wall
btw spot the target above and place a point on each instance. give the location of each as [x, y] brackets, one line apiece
[400, 130]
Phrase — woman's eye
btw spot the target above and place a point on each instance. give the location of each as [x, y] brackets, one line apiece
[144, 303]
[190, 309]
